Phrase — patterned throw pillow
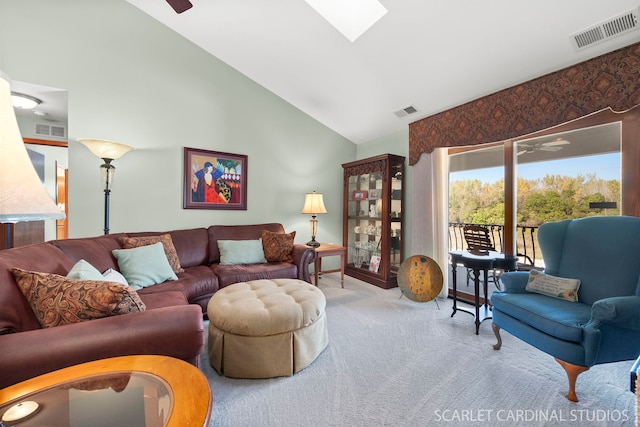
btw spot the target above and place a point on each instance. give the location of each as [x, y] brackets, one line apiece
[278, 246]
[57, 300]
[557, 287]
[167, 244]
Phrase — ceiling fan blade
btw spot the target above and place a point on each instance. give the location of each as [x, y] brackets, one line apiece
[556, 142]
[548, 148]
[180, 5]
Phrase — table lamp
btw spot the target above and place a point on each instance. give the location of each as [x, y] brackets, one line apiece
[313, 205]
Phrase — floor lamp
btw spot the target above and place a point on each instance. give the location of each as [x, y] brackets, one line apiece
[22, 195]
[108, 151]
[313, 205]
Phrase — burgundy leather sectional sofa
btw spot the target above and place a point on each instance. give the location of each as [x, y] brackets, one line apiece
[172, 323]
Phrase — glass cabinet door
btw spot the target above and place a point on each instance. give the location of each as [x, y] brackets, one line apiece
[365, 222]
[373, 219]
[396, 217]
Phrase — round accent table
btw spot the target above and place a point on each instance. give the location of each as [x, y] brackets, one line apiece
[141, 390]
[266, 328]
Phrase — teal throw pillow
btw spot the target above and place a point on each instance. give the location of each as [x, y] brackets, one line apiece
[112, 275]
[144, 266]
[241, 252]
[82, 270]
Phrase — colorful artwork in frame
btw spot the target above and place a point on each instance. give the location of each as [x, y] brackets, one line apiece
[359, 195]
[214, 180]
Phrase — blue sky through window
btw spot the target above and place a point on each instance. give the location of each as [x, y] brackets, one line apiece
[605, 166]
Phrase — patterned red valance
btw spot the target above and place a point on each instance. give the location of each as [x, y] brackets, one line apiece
[611, 80]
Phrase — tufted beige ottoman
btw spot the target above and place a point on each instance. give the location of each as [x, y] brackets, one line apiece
[266, 328]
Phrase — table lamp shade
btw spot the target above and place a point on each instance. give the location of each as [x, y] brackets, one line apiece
[313, 204]
[22, 195]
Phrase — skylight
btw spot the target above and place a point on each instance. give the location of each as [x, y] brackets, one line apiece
[351, 17]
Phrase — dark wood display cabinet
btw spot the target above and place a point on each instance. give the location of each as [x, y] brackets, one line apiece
[373, 212]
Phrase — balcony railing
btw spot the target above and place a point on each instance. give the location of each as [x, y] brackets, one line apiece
[526, 240]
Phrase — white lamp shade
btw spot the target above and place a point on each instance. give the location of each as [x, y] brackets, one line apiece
[22, 195]
[105, 149]
[313, 204]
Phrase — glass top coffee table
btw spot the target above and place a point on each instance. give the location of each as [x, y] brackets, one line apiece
[144, 391]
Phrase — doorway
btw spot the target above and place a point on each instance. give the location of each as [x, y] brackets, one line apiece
[62, 178]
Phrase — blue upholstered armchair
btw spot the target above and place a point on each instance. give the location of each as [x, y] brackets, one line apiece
[603, 325]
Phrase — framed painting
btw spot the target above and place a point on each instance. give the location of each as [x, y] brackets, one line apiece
[214, 180]
[359, 195]
[375, 194]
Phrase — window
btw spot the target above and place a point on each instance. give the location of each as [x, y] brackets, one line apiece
[565, 175]
[569, 175]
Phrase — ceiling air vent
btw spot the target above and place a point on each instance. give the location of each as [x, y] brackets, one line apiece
[50, 130]
[406, 111]
[607, 29]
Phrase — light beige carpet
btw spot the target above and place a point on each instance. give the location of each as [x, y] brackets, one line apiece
[395, 362]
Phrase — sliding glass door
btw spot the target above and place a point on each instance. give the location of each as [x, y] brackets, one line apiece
[558, 176]
[476, 197]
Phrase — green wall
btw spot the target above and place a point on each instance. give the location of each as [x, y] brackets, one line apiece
[132, 80]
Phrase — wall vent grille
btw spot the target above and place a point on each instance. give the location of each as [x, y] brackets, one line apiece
[50, 130]
[607, 29]
[406, 111]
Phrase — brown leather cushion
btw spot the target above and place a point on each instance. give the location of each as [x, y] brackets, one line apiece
[277, 246]
[57, 300]
[167, 244]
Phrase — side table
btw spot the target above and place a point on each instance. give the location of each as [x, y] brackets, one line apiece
[327, 249]
[478, 263]
[139, 390]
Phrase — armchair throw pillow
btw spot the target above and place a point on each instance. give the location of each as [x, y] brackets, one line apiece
[557, 287]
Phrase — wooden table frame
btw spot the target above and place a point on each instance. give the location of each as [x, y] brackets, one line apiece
[192, 400]
[327, 249]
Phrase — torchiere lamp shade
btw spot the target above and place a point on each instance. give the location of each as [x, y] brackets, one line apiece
[107, 151]
[104, 148]
[22, 195]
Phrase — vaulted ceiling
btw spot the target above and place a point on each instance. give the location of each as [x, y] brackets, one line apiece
[426, 54]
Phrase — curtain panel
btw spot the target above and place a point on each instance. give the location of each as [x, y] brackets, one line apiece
[608, 81]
